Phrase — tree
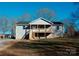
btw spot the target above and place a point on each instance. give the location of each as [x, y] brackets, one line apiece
[69, 27]
[71, 22]
[12, 24]
[4, 25]
[70, 31]
[25, 17]
[13, 27]
[45, 13]
[75, 14]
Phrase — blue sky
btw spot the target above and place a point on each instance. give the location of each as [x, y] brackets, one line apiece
[17, 9]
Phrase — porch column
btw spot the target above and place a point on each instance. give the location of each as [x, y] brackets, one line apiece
[62, 30]
[45, 32]
[37, 32]
[52, 31]
[30, 33]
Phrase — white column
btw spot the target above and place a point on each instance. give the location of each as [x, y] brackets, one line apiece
[30, 33]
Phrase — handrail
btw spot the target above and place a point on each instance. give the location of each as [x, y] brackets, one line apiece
[33, 36]
[49, 29]
[25, 35]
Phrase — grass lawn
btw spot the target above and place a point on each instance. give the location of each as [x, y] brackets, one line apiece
[42, 48]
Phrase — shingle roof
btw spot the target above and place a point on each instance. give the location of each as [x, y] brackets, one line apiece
[57, 22]
[40, 21]
[48, 22]
[22, 23]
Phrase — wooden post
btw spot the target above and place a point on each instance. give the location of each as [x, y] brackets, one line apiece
[45, 31]
[37, 32]
[29, 31]
[30, 34]
[62, 30]
[52, 30]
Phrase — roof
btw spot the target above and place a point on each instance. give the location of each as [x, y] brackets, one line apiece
[22, 23]
[40, 21]
[57, 22]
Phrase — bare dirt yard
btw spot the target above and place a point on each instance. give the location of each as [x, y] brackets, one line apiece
[41, 48]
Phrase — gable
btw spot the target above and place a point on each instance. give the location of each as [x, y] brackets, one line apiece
[39, 21]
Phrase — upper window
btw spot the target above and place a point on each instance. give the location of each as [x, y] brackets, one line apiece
[34, 26]
[40, 26]
[57, 27]
[24, 27]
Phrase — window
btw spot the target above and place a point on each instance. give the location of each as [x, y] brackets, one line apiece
[47, 26]
[34, 26]
[24, 27]
[57, 27]
[40, 26]
[39, 34]
[36, 34]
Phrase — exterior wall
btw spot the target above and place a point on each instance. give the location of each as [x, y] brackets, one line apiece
[55, 31]
[19, 32]
[52, 30]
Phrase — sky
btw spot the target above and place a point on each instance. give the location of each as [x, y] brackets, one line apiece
[16, 9]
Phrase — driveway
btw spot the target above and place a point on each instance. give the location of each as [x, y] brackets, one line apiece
[6, 43]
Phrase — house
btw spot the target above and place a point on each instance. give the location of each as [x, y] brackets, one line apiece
[39, 29]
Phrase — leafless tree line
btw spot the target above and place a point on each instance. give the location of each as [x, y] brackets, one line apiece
[9, 24]
[71, 27]
[6, 26]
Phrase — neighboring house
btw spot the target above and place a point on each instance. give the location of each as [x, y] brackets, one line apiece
[8, 36]
[39, 29]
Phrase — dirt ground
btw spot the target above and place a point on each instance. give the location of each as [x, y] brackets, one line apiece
[41, 48]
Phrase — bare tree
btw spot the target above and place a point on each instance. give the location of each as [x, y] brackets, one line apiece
[45, 13]
[12, 26]
[70, 31]
[25, 17]
[71, 22]
[75, 14]
[4, 25]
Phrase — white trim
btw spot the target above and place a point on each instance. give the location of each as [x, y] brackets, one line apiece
[40, 21]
